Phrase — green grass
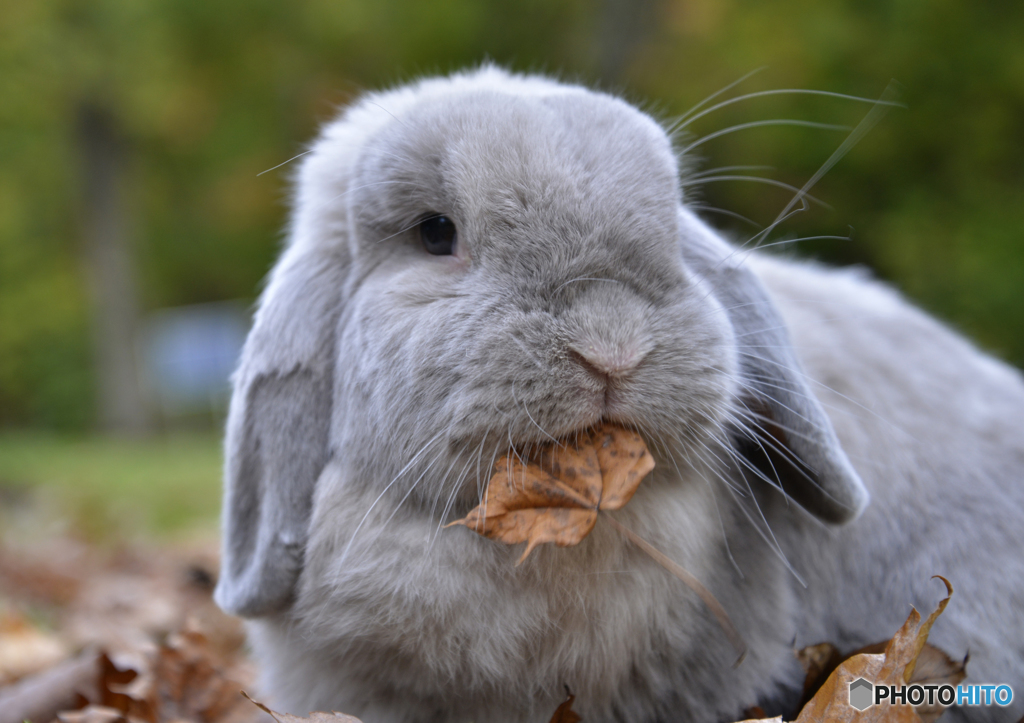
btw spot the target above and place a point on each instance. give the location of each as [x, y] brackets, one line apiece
[106, 488]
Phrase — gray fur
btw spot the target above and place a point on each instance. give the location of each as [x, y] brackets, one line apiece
[380, 384]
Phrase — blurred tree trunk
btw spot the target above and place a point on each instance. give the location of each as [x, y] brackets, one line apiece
[624, 26]
[108, 254]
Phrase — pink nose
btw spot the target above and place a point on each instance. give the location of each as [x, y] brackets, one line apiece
[610, 359]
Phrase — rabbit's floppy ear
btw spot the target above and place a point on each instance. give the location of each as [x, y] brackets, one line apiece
[278, 429]
[279, 422]
[787, 436]
[277, 433]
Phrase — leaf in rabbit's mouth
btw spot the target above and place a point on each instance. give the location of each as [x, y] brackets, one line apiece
[556, 495]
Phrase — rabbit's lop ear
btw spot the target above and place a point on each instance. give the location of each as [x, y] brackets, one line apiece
[277, 431]
[782, 429]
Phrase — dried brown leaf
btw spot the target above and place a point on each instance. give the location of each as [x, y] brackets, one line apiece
[182, 680]
[933, 667]
[190, 681]
[25, 649]
[317, 717]
[93, 714]
[936, 668]
[818, 662]
[557, 497]
[112, 681]
[831, 704]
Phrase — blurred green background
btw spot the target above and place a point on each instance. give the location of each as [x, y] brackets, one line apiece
[133, 134]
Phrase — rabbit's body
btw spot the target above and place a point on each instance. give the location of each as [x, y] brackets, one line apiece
[934, 428]
[381, 381]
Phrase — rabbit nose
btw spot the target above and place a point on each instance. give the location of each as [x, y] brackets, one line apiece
[608, 332]
[609, 359]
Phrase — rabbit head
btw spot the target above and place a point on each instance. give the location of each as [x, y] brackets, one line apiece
[489, 262]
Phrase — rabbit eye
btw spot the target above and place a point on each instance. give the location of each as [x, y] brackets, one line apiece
[438, 235]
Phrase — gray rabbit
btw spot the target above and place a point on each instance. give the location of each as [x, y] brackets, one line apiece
[487, 262]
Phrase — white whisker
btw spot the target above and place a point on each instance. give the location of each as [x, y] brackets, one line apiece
[753, 179]
[384, 491]
[760, 124]
[285, 163]
[783, 91]
[714, 95]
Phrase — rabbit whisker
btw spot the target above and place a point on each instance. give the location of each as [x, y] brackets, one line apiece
[877, 112]
[383, 528]
[484, 495]
[764, 233]
[712, 490]
[783, 242]
[781, 91]
[384, 491]
[448, 505]
[378, 105]
[408, 492]
[752, 179]
[761, 394]
[440, 486]
[479, 458]
[827, 388]
[527, 410]
[723, 212]
[744, 428]
[714, 95]
[721, 462]
[752, 416]
[769, 536]
[721, 169]
[285, 163]
[399, 232]
[759, 124]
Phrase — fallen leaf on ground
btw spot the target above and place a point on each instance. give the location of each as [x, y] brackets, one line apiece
[173, 655]
[25, 649]
[933, 667]
[818, 662]
[317, 717]
[557, 497]
[94, 714]
[186, 680]
[895, 666]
